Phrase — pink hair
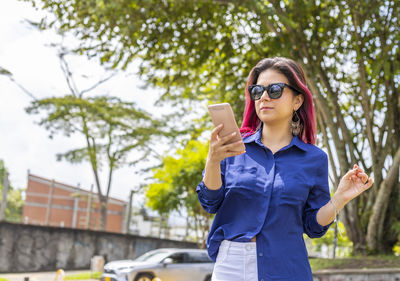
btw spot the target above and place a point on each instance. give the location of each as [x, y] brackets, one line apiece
[297, 79]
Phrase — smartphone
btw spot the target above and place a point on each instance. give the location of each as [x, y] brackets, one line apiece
[223, 113]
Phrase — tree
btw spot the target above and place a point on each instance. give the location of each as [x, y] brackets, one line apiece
[203, 50]
[110, 127]
[173, 189]
[15, 203]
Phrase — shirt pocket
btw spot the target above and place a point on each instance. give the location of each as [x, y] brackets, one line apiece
[239, 176]
[295, 187]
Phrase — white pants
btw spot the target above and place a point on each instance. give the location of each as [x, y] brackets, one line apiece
[236, 261]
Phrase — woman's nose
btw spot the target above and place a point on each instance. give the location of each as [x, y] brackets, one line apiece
[265, 96]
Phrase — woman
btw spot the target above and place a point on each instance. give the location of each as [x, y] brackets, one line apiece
[267, 196]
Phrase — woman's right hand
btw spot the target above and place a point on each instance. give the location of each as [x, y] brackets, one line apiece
[218, 149]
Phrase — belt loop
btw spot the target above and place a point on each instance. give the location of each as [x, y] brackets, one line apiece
[225, 248]
[228, 246]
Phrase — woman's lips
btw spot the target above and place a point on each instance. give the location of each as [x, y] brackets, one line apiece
[265, 108]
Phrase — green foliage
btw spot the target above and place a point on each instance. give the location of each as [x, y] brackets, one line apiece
[203, 50]
[15, 203]
[112, 128]
[328, 238]
[175, 181]
[175, 184]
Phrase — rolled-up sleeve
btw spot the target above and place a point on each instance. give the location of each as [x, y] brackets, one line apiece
[318, 197]
[211, 199]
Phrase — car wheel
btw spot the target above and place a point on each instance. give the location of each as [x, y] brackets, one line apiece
[144, 277]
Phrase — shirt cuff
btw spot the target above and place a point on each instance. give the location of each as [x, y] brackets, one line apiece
[210, 194]
[316, 227]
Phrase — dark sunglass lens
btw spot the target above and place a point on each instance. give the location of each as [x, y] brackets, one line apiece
[257, 92]
[275, 91]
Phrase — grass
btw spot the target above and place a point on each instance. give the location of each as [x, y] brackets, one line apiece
[4, 279]
[83, 276]
[357, 262]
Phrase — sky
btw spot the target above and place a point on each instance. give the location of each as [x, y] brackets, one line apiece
[24, 145]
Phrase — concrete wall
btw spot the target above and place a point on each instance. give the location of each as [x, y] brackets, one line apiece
[26, 248]
[384, 274]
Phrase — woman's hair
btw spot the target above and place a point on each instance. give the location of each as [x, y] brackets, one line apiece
[297, 79]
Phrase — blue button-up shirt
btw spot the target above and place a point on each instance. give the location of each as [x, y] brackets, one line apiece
[274, 197]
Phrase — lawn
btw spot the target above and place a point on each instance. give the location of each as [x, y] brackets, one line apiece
[83, 276]
[357, 262]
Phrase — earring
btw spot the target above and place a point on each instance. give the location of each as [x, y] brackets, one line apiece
[295, 124]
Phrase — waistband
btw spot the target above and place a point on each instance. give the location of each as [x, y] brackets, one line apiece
[238, 248]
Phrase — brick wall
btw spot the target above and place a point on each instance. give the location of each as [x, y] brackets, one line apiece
[56, 204]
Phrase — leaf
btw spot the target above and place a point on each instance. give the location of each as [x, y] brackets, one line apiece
[5, 72]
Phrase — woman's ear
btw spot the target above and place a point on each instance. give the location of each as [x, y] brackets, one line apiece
[298, 101]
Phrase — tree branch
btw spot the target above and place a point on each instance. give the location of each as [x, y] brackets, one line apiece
[363, 84]
[23, 88]
[345, 131]
[97, 84]
[335, 179]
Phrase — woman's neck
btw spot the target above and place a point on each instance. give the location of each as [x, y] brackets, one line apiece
[276, 136]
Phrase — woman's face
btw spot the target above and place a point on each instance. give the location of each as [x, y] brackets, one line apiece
[276, 111]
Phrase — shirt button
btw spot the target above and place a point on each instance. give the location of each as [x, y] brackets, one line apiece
[248, 247]
[260, 254]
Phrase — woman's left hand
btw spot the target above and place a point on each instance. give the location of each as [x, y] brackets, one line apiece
[352, 184]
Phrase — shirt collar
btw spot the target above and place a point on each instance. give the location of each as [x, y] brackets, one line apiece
[256, 137]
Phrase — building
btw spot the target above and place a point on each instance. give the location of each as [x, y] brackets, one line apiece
[56, 204]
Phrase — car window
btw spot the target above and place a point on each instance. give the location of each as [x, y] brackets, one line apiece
[177, 258]
[153, 256]
[197, 257]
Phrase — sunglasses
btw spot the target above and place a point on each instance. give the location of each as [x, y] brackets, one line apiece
[274, 90]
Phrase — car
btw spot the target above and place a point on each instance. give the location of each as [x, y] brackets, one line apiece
[167, 264]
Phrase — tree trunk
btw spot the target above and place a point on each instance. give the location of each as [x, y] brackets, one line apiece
[103, 212]
[376, 225]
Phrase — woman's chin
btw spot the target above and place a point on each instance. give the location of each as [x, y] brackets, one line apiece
[267, 119]
[273, 122]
